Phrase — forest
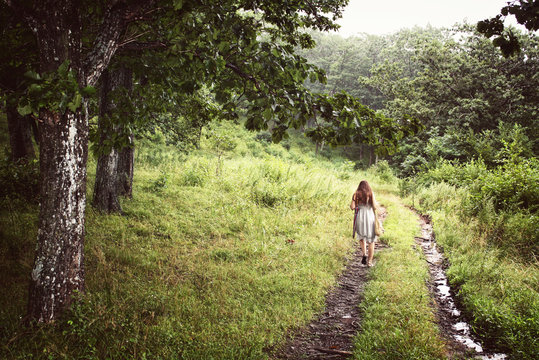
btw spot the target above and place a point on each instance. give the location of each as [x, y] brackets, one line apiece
[175, 181]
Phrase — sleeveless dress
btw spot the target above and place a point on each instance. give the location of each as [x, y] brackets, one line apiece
[365, 223]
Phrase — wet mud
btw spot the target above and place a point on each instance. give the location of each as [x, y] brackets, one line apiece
[454, 328]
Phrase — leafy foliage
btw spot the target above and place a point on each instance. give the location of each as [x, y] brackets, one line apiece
[462, 92]
[57, 91]
[19, 180]
[525, 11]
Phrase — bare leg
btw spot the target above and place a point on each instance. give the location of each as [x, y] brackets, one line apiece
[363, 247]
[371, 253]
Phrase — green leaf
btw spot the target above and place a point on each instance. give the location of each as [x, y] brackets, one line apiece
[32, 75]
[88, 91]
[268, 114]
[33, 90]
[25, 110]
[75, 104]
[178, 4]
[63, 69]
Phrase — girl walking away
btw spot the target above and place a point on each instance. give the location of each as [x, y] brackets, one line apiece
[364, 205]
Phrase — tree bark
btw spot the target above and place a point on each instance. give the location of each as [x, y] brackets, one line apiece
[20, 135]
[114, 166]
[126, 161]
[126, 155]
[106, 183]
[106, 177]
[58, 267]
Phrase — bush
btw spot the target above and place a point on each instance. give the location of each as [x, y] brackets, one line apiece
[268, 194]
[274, 171]
[159, 184]
[512, 187]
[383, 171]
[264, 136]
[19, 180]
[520, 232]
[192, 177]
[195, 173]
[453, 173]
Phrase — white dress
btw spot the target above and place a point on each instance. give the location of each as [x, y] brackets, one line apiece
[365, 223]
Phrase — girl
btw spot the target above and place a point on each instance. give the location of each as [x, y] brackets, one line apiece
[364, 204]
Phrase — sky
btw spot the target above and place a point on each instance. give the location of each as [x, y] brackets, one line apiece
[388, 16]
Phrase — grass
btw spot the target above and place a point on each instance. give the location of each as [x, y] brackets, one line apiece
[398, 320]
[207, 266]
[200, 266]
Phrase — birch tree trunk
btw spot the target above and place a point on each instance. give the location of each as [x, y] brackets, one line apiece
[58, 267]
[58, 271]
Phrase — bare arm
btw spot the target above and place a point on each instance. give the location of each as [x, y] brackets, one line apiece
[353, 203]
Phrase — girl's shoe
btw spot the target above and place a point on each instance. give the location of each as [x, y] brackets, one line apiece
[364, 260]
[370, 264]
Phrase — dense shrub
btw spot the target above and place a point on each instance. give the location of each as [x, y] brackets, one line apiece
[264, 136]
[504, 200]
[19, 180]
[383, 171]
[453, 173]
[274, 171]
[268, 194]
[512, 186]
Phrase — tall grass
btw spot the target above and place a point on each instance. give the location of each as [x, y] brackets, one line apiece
[199, 266]
[207, 264]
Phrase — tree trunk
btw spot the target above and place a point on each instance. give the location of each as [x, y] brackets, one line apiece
[126, 155]
[58, 267]
[126, 161]
[20, 135]
[106, 183]
[106, 177]
[112, 178]
[58, 270]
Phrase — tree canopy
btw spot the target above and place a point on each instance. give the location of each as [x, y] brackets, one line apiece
[243, 54]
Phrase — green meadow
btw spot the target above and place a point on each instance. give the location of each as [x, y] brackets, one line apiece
[221, 255]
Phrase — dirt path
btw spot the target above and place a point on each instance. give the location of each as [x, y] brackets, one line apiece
[330, 335]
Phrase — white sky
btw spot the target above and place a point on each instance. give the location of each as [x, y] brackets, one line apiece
[387, 16]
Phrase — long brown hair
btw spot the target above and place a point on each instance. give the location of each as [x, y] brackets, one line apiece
[363, 194]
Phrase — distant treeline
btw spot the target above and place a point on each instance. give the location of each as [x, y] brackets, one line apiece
[473, 102]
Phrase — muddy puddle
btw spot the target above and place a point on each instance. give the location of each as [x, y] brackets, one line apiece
[456, 330]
